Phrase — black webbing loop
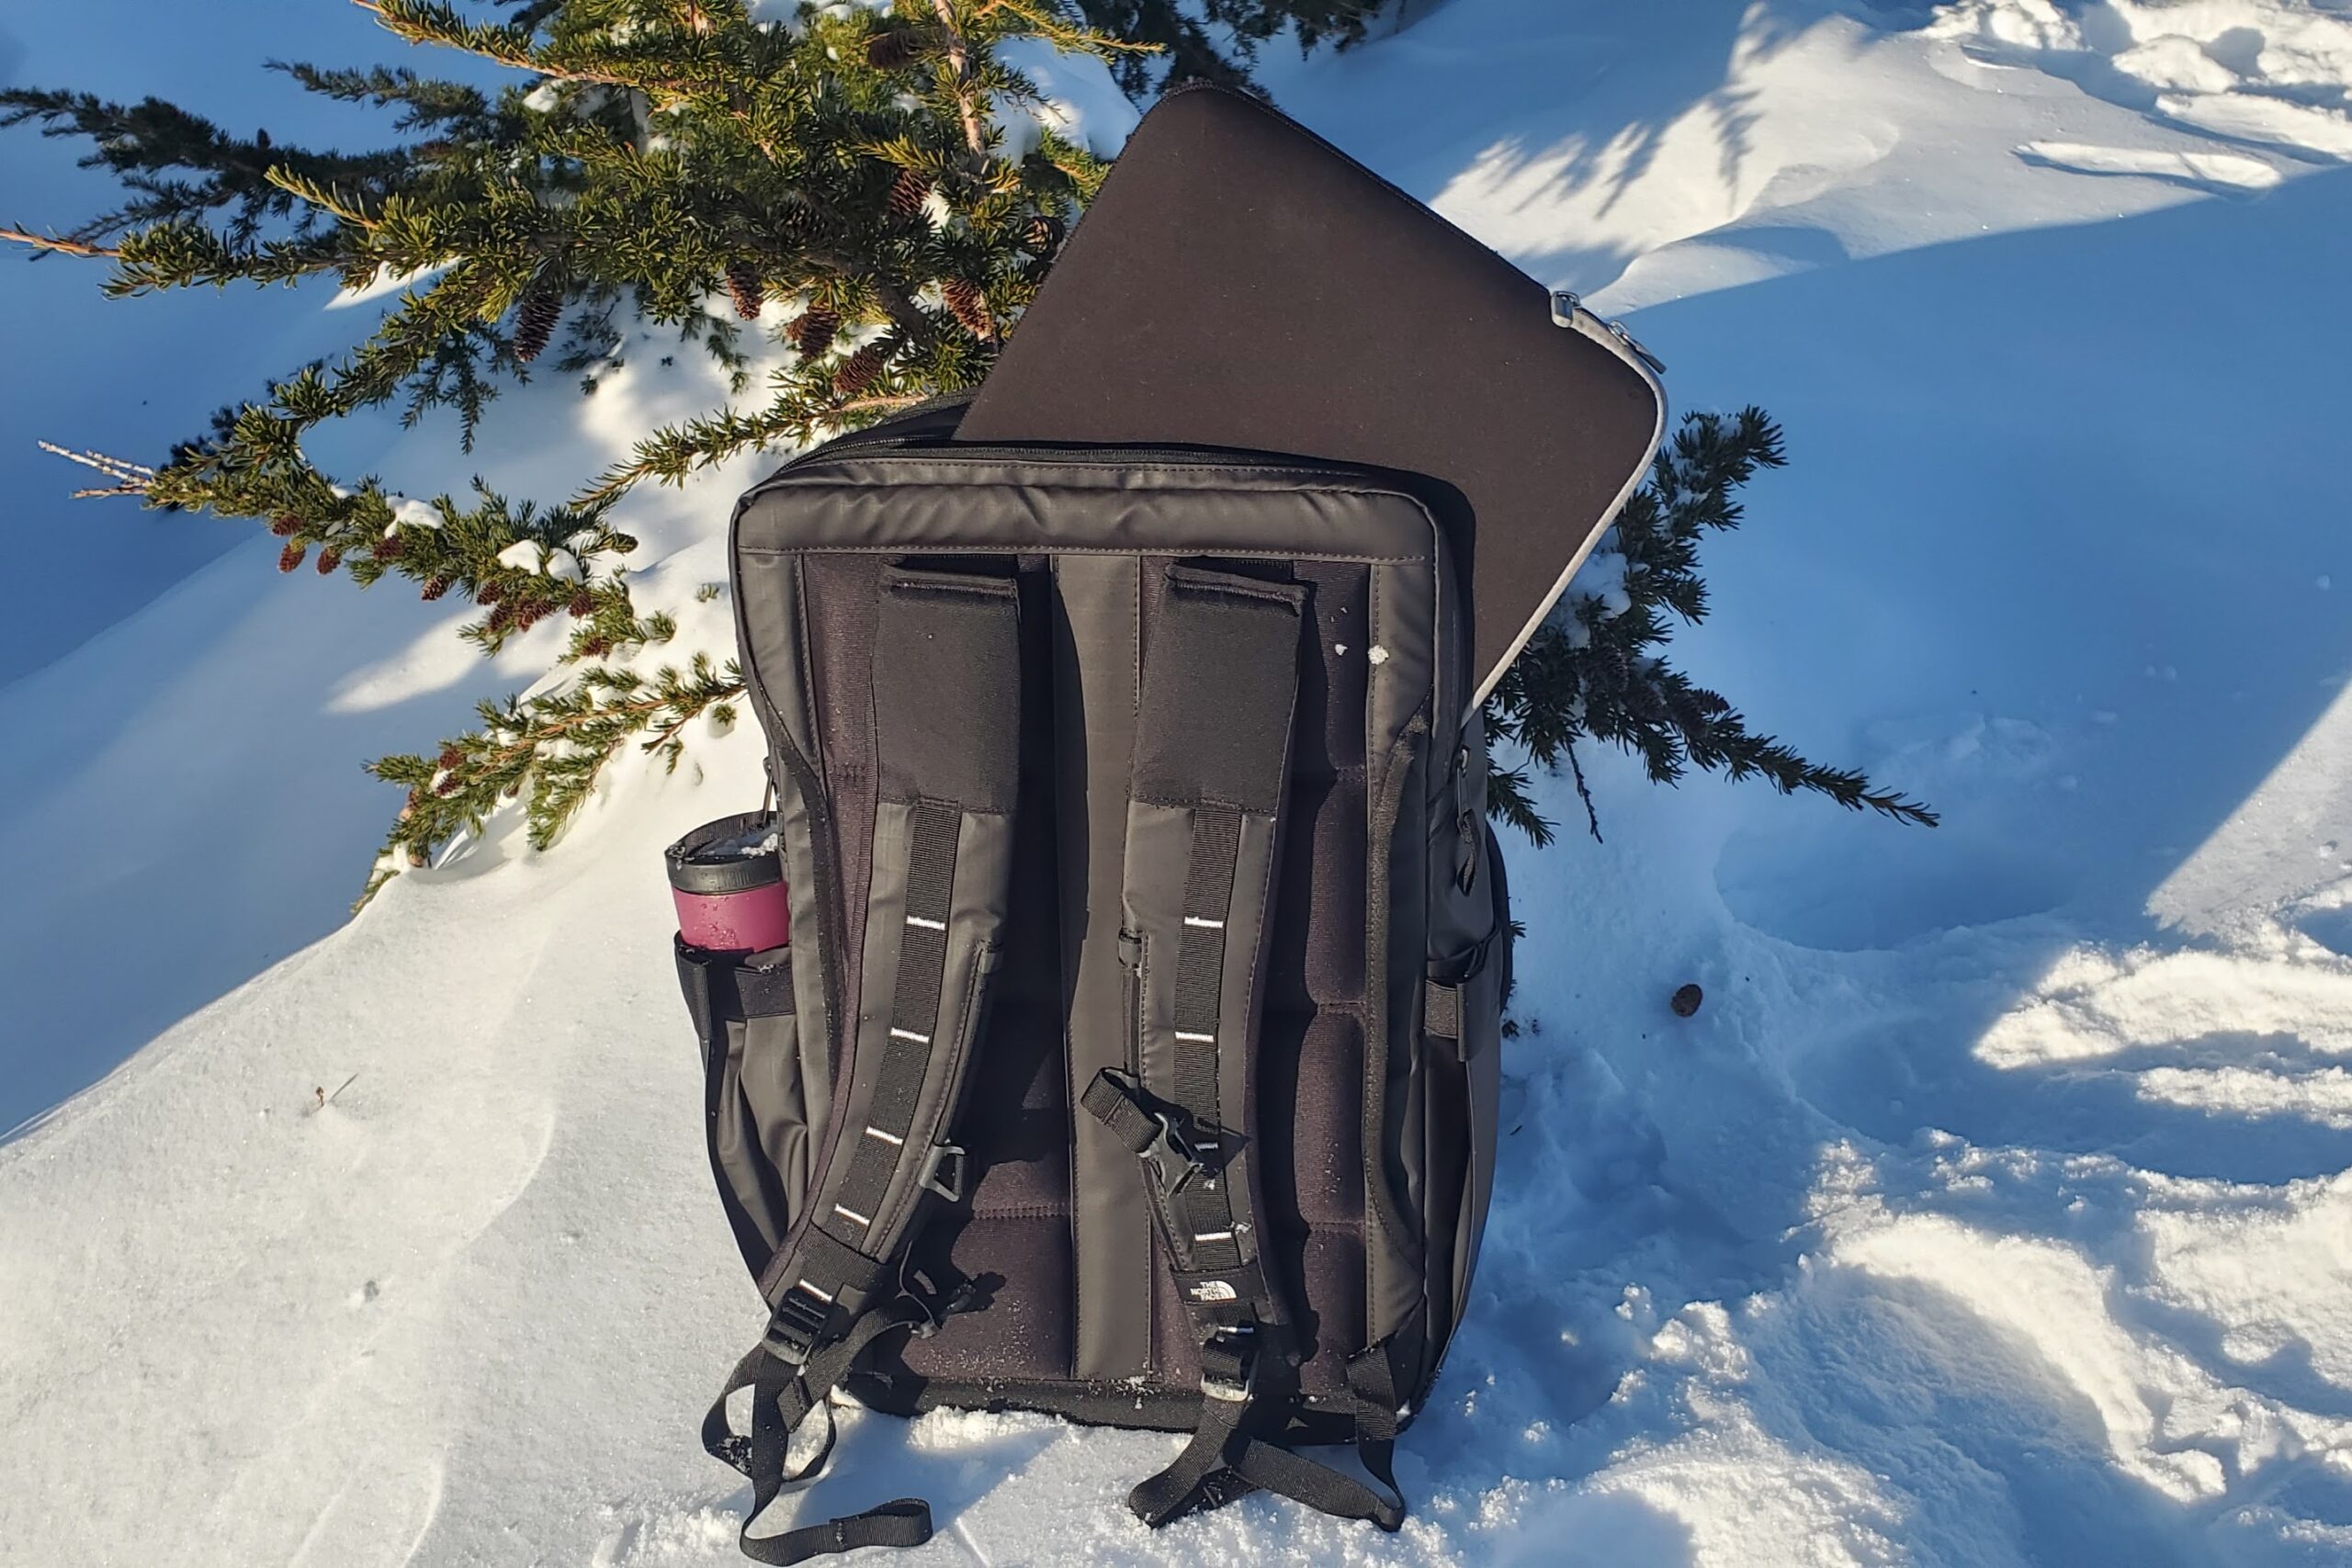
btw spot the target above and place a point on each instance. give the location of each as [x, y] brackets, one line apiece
[784, 1397]
[903, 1522]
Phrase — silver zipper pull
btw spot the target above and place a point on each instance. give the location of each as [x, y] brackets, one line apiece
[1570, 310]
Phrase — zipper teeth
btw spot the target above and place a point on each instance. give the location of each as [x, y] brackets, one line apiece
[1049, 455]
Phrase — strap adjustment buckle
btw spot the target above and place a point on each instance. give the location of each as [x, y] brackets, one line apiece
[1229, 1364]
[799, 1321]
[1157, 1133]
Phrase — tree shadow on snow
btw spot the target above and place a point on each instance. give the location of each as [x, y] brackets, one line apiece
[2071, 543]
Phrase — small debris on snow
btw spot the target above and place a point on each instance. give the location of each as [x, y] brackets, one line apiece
[1686, 1001]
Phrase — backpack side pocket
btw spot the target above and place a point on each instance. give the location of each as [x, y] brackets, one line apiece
[755, 1110]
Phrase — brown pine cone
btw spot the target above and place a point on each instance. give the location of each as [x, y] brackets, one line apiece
[582, 604]
[491, 591]
[388, 547]
[434, 588]
[291, 556]
[860, 370]
[743, 287]
[285, 523]
[796, 222]
[535, 323]
[450, 757]
[908, 193]
[966, 303]
[329, 558]
[1044, 234]
[893, 49]
[812, 331]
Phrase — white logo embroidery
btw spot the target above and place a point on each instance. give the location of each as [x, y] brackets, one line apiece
[1214, 1291]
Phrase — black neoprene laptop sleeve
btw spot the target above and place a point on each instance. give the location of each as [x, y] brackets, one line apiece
[1240, 282]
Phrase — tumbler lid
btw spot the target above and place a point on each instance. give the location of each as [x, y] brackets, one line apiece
[732, 854]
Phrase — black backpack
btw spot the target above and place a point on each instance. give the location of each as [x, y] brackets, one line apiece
[1134, 1057]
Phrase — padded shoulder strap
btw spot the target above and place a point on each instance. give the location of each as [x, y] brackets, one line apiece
[946, 702]
[1220, 691]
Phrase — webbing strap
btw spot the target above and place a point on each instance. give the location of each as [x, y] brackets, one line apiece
[946, 700]
[889, 1132]
[784, 1397]
[1219, 701]
[947, 694]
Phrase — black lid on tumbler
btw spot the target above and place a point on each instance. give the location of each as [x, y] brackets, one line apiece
[732, 854]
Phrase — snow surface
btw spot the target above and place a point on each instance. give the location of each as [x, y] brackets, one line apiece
[1994, 1209]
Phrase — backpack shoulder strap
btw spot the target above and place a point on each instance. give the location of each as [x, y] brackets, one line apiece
[1212, 742]
[946, 707]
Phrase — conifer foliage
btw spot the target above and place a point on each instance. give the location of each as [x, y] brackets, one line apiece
[824, 198]
[835, 181]
[1217, 40]
[1591, 673]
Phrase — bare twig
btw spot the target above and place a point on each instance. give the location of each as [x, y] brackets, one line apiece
[130, 479]
[53, 242]
[959, 61]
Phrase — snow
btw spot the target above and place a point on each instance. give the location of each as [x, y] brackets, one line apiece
[1996, 1208]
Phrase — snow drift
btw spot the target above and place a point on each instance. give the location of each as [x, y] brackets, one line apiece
[1993, 1209]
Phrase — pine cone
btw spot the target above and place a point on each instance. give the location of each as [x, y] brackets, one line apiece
[743, 287]
[535, 323]
[1044, 234]
[500, 618]
[595, 648]
[329, 558]
[388, 547]
[490, 592]
[291, 556]
[434, 588]
[447, 786]
[582, 604]
[860, 370]
[893, 49]
[450, 757]
[812, 331]
[285, 523]
[966, 305]
[908, 193]
[796, 222]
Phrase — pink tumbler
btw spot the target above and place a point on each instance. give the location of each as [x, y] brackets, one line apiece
[726, 879]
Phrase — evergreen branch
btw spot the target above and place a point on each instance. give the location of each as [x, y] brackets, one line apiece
[553, 747]
[1590, 671]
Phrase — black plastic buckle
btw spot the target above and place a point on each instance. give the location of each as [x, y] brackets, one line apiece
[800, 1319]
[1229, 1364]
[1170, 1154]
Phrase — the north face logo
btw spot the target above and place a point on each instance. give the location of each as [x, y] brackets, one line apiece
[1212, 1291]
